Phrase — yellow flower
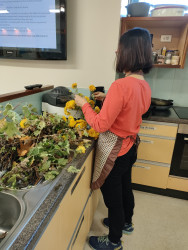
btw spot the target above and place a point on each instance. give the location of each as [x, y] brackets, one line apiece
[64, 118]
[92, 103]
[22, 123]
[81, 124]
[92, 88]
[64, 137]
[81, 149]
[70, 104]
[65, 111]
[70, 117]
[97, 109]
[87, 98]
[74, 85]
[93, 133]
[72, 122]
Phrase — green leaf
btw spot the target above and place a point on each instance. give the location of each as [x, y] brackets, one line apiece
[41, 125]
[37, 132]
[26, 111]
[51, 175]
[85, 133]
[62, 161]
[13, 179]
[7, 108]
[73, 170]
[46, 166]
[11, 129]
[15, 117]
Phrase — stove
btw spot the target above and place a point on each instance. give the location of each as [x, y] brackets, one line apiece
[182, 112]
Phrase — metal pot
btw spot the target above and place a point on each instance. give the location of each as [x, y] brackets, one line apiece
[138, 9]
[161, 102]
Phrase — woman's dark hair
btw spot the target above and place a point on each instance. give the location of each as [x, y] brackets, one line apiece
[134, 51]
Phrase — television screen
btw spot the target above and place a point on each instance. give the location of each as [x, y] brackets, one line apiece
[33, 29]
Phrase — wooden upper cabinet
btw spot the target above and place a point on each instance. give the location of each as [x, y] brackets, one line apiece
[175, 26]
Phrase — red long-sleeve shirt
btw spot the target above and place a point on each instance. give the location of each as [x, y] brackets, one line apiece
[126, 101]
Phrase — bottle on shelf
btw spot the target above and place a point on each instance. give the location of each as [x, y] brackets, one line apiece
[163, 52]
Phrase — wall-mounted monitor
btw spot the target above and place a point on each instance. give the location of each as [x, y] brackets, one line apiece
[33, 29]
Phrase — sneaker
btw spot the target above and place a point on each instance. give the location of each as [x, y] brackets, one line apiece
[127, 229]
[102, 242]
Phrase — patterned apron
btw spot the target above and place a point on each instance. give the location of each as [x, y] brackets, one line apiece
[108, 147]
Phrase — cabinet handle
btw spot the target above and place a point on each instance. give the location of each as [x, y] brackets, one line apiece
[146, 141]
[77, 232]
[146, 127]
[138, 166]
[79, 178]
[185, 139]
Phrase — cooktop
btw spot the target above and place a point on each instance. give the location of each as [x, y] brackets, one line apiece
[182, 112]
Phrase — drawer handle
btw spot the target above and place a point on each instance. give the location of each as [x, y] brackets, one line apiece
[79, 178]
[146, 127]
[147, 141]
[138, 166]
[77, 232]
[185, 139]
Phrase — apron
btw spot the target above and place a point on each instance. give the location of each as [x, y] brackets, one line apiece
[108, 147]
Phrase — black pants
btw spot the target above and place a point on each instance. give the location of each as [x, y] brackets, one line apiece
[118, 196]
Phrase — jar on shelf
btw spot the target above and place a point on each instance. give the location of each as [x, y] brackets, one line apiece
[154, 57]
[160, 59]
[175, 52]
[168, 56]
[175, 60]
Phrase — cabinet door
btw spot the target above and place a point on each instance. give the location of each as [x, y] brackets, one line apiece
[150, 175]
[61, 228]
[82, 230]
[155, 149]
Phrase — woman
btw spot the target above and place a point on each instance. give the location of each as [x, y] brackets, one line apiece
[121, 115]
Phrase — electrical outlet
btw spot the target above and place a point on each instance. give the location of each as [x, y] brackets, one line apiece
[166, 38]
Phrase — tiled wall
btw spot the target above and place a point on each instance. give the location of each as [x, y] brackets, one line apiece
[170, 84]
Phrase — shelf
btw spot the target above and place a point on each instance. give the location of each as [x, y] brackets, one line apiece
[177, 27]
[171, 21]
[166, 66]
[22, 93]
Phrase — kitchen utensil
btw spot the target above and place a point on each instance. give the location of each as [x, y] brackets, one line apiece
[161, 102]
[168, 10]
[138, 9]
[164, 107]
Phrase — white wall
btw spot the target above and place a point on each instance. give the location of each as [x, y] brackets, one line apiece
[93, 30]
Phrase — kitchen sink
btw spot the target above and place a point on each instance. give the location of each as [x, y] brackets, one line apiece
[10, 213]
[16, 209]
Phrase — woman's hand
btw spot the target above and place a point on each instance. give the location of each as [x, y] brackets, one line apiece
[80, 101]
[99, 96]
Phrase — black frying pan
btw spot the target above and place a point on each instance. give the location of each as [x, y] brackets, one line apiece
[161, 102]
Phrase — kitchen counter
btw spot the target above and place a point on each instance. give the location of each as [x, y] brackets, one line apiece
[33, 228]
[168, 116]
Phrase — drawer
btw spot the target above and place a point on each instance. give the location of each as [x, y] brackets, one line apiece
[155, 149]
[150, 175]
[158, 129]
[178, 183]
